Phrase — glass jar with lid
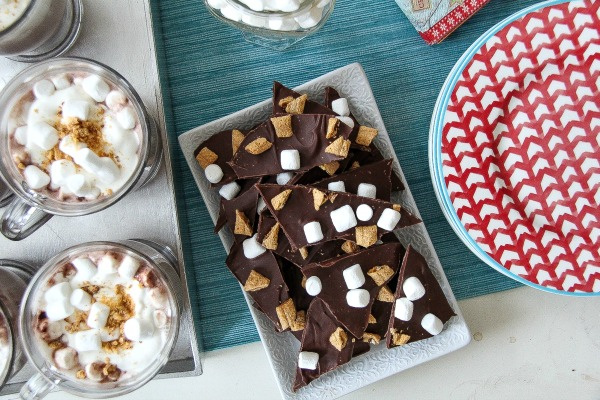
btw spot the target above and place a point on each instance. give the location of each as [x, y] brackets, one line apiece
[277, 24]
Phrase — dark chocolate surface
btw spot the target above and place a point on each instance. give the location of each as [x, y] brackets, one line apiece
[266, 264]
[280, 92]
[320, 324]
[334, 290]
[434, 301]
[330, 96]
[246, 203]
[221, 144]
[293, 278]
[308, 138]
[365, 157]
[245, 185]
[299, 210]
[378, 174]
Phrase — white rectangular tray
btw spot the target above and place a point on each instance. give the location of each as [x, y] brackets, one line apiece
[282, 348]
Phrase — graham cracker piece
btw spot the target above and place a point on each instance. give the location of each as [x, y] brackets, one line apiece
[279, 201]
[242, 224]
[271, 240]
[319, 198]
[237, 137]
[399, 339]
[349, 247]
[354, 165]
[299, 322]
[258, 146]
[386, 295]
[330, 167]
[206, 157]
[339, 147]
[372, 338]
[286, 312]
[332, 128]
[339, 339]
[332, 197]
[283, 126]
[372, 319]
[366, 236]
[285, 101]
[380, 274]
[304, 253]
[397, 207]
[303, 283]
[365, 135]
[256, 282]
[296, 106]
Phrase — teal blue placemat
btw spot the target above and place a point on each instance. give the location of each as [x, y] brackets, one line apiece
[209, 71]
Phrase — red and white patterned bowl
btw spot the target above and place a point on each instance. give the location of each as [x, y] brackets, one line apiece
[515, 147]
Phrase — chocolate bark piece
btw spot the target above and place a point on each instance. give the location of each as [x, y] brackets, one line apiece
[281, 95]
[320, 325]
[434, 301]
[330, 96]
[334, 290]
[245, 185]
[295, 281]
[308, 139]
[298, 212]
[221, 144]
[268, 299]
[378, 174]
[245, 203]
[319, 252]
[372, 154]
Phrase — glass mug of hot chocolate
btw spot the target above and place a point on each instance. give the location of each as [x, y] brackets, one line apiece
[14, 277]
[74, 139]
[100, 319]
[5, 194]
[36, 30]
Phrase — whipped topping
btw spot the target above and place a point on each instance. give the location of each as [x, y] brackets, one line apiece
[75, 137]
[11, 11]
[103, 318]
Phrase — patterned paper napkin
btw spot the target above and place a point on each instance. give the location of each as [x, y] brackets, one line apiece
[436, 19]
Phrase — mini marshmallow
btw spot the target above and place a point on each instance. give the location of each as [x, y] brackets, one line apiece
[217, 4]
[108, 265]
[404, 309]
[313, 285]
[354, 276]
[288, 5]
[69, 146]
[156, 297]
[86, 269]
[136, 329]
[347, 120]
[252, 248]
[81, 300]
[340, 107]
[358, 298]
[313, 232]
[66, 358]
[54, 331]
[115, 99]
[129, 267]
[61, 82]
[231, 13]
[282, 24]
[88, 340]
[367, 190]
[59, 292]
[261, 204]
[413, 288]
[103, 167]
[256, 5]
[98, 315]
[21, 135]
[59, 309]
[337, 186]
[308, 360]
[35, 177]
[126, 118]
[432, 324]
[42, 135]
[309, 19]
[43, 88]
[79, 109]
[343, 218]
[230, 190]
[95, 87]
[290, 160]
[364, 212]
[93, 372]
[60, 171]
[160, 318]
[284, 177]
[213, 173]
[389, 219]
[78, 185]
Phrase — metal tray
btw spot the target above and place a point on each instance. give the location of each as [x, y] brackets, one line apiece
[119, 34]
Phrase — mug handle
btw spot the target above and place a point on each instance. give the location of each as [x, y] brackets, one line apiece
[21, 219]
[37, 387]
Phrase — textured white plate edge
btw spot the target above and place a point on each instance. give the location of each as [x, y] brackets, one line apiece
[399, 358]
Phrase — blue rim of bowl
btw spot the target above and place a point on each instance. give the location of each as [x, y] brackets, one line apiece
[435, 154]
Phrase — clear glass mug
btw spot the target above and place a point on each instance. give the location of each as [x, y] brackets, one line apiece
[267, 26]
[14, 277]
[30, 209]
[161, 261]
[5, 194]
[36, 30]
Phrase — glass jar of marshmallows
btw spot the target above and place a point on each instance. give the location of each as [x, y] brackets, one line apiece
[277, 24]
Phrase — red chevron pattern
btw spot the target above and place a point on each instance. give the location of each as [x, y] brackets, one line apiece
[521, 147]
